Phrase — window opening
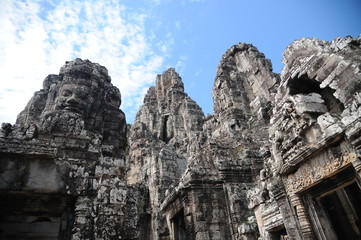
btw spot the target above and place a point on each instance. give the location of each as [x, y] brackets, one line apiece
[304, 85]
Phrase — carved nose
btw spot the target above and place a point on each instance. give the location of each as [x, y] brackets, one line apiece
[72, 100]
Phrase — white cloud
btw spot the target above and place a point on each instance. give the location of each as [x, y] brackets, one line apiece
[36, 41]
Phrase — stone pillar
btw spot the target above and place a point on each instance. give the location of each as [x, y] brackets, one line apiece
[304, 222]
[356, 163]
[289, 220]
[83, 224]
[352, 133]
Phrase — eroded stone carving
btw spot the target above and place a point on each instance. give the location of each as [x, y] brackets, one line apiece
[70, 141]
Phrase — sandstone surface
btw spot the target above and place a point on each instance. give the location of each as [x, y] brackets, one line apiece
[279, 158]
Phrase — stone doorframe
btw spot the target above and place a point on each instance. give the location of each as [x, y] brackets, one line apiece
[321, 223]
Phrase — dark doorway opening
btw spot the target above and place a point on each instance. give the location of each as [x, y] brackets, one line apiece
[334, 206]
[344, 211]
[179, 227]
[279, 233]
[35, 216]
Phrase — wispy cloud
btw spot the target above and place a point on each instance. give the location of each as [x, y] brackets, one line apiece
[178, 25]
[180, 66]
[184, 2]
[165, 45]
[199, 72]
[37, 37]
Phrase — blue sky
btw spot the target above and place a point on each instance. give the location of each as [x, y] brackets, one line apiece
[137, 39]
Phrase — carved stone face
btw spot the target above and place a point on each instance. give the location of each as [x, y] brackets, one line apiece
[74, 98]
[113, 98]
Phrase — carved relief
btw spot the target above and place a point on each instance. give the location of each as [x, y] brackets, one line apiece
[74, 98]
[57, 122]
[69, 103]
[316, 170]
[262, 192]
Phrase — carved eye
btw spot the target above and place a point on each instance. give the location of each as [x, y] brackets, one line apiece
[82, 95]
[66, 93]
[110, 96]
[114, 97]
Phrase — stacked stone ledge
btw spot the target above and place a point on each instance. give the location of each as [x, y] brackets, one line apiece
[250, 170]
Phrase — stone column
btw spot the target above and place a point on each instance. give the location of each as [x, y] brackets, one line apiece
[285, 207]
[83, 224]
[352, 133]
[356, 163]
[304, 222]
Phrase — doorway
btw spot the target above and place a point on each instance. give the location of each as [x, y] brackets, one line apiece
[179, 227]
[344, 211]
[35, 216]
[334, 207]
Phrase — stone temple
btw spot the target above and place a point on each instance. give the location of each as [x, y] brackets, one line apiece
[280, 157]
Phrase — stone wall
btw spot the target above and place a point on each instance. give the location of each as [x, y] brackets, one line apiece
[314, 130]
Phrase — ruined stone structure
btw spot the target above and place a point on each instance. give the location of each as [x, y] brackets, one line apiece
[280, 157]
[62, 173]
